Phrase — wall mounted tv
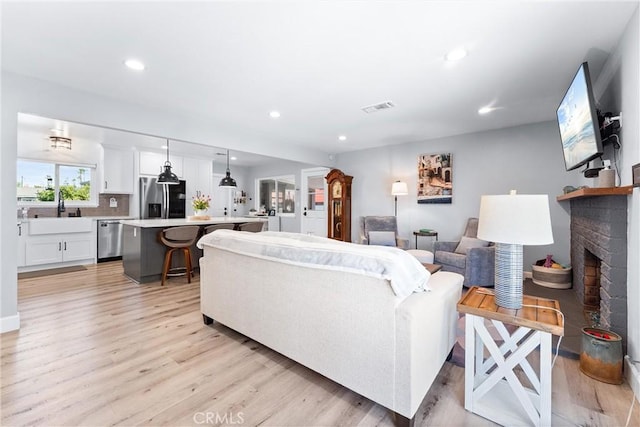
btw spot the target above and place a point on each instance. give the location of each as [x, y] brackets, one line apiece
[578, 122]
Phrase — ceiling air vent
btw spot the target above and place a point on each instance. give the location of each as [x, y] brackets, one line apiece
[377, 107]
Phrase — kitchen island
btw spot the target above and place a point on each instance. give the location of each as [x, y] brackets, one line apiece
[142, 251]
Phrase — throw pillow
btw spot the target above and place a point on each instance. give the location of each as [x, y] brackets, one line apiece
[467, 243]
[382, 238]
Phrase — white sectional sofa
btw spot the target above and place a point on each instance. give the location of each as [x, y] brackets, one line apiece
[344, 310]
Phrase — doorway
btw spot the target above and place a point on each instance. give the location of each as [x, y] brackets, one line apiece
[313, 192]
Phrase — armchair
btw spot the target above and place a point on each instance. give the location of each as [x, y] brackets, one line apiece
[381, 230]
[471, 257]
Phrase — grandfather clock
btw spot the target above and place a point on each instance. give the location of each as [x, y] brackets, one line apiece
[339, 211]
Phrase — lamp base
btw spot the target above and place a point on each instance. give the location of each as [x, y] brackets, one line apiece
[508, 275]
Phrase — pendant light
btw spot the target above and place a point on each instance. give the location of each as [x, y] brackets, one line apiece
[167, 177]
[227, 181]
[60, 142]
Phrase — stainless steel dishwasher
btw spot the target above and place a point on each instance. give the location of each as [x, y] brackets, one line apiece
[109, 240]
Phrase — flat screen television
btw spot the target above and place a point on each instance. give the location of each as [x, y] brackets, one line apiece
[578, 122]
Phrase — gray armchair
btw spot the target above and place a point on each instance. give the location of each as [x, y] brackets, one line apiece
[471, 257]
[381, 230]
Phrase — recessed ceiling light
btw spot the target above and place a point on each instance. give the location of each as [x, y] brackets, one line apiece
[456, 55]
[342, 138]
[134, 64]
[164, 147]
[485, 110]
[274, 114]
[234, 158]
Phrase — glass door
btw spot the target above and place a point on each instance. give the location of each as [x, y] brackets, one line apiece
[314, 202]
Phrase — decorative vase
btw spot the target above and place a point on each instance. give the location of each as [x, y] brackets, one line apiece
[200, 212]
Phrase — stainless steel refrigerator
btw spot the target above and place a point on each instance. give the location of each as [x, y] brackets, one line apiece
[162, 201]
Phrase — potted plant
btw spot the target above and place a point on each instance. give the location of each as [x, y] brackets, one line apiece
[200, 204]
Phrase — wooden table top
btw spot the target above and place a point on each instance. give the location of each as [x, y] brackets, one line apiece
[481, 302]
[432, 268]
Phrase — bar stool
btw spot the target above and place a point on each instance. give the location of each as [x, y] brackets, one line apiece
[178, 238]
[227, 226]
[253, 227]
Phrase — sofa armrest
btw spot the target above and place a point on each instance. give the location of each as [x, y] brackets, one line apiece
[480, 267]
[426, 325]
[445, 246]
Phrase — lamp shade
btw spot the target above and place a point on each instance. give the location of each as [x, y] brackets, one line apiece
[522, 219]
[399, 188]
[167, 177]
[227, 181]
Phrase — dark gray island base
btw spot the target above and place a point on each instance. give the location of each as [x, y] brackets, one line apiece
[142, 252]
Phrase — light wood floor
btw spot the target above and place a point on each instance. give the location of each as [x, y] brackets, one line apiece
[95, 349]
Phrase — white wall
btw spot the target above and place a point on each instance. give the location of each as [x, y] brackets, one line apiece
[525, 158]
[621, 77]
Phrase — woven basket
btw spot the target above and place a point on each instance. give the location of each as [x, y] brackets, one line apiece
[557, 278]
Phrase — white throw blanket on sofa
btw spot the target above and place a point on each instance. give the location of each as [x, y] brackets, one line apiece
[403, 271]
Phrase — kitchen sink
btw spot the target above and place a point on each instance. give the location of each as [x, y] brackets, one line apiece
[59, 225]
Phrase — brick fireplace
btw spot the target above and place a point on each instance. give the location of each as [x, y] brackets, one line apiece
[599, 257]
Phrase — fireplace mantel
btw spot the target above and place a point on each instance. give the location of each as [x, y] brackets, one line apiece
[594, 192]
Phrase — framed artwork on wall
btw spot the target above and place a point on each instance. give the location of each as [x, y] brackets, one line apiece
[435, 178]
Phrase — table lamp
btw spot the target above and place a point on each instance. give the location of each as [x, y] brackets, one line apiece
[398, 188]
[512, 221]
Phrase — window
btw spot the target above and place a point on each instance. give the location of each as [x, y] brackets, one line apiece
[40, 183]
[277, 193]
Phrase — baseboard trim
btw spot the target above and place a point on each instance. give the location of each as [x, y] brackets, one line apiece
[633, 376]
[10, 323]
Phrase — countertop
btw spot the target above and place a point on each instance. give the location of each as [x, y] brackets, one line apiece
[174, 222]
[94, 218]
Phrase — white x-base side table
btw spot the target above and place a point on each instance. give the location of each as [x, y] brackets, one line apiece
[492, 388]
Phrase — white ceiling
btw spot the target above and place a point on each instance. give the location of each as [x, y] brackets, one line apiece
[319, 62]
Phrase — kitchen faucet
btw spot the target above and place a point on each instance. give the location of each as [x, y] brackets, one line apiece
[60, 203]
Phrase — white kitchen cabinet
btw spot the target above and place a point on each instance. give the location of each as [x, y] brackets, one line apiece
[43, 250]
[117, 171]
[59, 248]
[78, 246]
[23, 232]
[152, 163]
[197, 174]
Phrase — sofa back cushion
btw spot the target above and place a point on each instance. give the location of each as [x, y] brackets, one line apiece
[403, 271]
[467, 243]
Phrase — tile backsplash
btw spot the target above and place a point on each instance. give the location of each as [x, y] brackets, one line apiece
[103, 208]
